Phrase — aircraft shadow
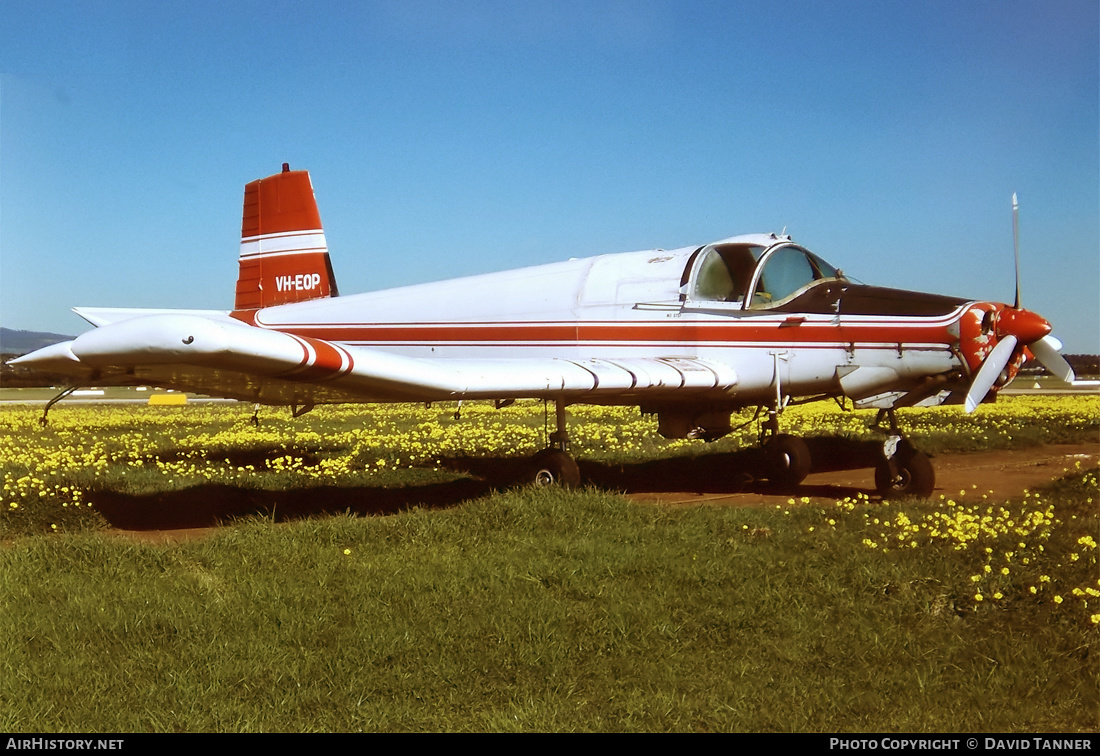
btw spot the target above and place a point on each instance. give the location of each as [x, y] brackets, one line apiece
[728, 472]
[742, 471]
[211, 505]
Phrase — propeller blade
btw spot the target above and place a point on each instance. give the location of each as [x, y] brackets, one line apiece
[990, 371]
[1046, 351]
[1016, 244]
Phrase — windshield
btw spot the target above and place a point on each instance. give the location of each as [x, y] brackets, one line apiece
[785, 272]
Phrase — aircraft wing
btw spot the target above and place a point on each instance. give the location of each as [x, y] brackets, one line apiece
[214, 354]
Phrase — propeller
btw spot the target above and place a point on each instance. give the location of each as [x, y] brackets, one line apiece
[1046, 350]
[990, 371]
[1016, 328]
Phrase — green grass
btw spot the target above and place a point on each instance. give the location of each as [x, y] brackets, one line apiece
[532, 611]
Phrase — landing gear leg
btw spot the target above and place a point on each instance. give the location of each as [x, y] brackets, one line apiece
[553, 466]
[787, 458]
[903, 469]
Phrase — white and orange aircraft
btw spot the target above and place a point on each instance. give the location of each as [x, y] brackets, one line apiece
[691, 334]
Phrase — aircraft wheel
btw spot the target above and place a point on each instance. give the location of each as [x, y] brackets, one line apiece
[914, 475]
[788, 460]
[553, 467]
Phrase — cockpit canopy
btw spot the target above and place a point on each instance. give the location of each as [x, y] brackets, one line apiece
[753, 276]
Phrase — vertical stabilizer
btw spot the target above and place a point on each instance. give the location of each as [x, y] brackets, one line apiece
[284, 256]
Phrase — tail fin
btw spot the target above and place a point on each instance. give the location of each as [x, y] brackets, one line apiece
[284, 256]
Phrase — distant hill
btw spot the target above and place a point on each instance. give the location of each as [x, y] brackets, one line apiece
[21, 342]
[14, 343]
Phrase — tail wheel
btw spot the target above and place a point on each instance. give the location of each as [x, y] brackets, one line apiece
[788, 460]
[553, 467]
[910, 475]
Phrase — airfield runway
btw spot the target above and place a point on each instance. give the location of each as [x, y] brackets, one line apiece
[1000, 475]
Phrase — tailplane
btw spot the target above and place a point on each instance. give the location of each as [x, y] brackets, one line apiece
[284, 256]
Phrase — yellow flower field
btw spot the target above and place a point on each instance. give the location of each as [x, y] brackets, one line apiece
[142, 449]
[1039, 551]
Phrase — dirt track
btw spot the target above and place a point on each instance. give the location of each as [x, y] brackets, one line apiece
[707, 481]
[1000, 474]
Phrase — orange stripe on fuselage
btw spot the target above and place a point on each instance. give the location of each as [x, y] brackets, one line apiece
[640, 334]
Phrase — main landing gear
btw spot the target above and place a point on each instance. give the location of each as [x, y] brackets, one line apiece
[786, 457]
[903, 469]
[553, 466]
[900, 468]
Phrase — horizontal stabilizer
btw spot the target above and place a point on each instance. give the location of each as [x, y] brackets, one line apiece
[101, 316]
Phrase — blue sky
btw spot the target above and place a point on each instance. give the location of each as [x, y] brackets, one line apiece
[451, 138]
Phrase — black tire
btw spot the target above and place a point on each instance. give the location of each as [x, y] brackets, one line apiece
[915, 476]
[788, 460]
[553, 467]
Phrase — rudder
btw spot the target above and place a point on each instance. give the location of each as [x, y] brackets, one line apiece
[284, 256]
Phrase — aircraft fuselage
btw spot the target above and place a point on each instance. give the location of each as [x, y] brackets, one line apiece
[643, 305]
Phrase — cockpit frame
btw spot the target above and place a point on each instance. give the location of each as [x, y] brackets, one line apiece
[722, 275]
